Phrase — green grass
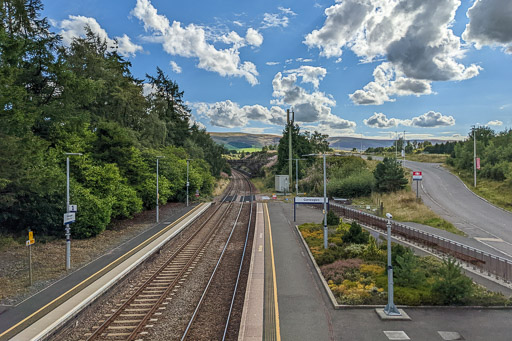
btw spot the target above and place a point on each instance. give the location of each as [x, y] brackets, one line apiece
[498, 193]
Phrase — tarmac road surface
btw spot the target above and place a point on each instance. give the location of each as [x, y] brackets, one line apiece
[447, 195]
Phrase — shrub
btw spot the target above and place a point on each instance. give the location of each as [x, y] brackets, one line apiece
[93, 215]
[389, 176]
[407, 272]
[332, 218]
[339, 270]
[354, 185]
[452, 286]
[356, 234]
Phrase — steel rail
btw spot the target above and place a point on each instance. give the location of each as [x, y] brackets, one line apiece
[241, 263]
[199, 304]
[101, 329]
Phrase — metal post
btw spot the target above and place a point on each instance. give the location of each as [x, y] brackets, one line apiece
[157, 196]
[390, 308]
[396, 145]
[417, 189]
[297, 176]
[30, 262]
[290, 125]
[474, 155]
[325, 206]
[187, 180]
[403, 148]
[68, 230]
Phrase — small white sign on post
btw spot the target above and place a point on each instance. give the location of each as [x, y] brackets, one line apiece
[73, 208]
[418, 176]
[69, 218]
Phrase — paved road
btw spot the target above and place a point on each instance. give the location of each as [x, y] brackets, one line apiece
[446, 195]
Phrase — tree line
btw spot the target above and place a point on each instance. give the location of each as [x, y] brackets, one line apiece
[494, 150]
[83, 98]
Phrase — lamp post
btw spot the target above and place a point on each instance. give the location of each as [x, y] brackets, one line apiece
[325, 196]
[188, 184]
[68, 229]
[157, 195]
[390, 309]
[474, 155]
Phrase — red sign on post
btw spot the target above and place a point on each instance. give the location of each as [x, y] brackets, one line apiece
[417, 176]
[477, 163]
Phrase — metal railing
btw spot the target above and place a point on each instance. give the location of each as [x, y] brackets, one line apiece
[492, 264]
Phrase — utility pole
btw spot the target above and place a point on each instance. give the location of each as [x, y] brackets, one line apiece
[290, 120]
[474, 155]
[396, 145]
[403, 149]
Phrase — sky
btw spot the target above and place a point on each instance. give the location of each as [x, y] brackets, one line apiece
[360, 68]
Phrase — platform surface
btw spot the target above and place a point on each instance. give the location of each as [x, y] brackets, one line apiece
[306, 313]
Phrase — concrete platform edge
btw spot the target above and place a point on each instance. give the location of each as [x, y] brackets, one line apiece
[18, 328]
[251, 324]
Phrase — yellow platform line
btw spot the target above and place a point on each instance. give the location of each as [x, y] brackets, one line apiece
[57, 301]
[276, 307]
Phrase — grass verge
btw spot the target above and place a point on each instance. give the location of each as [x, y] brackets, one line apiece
[498, 193]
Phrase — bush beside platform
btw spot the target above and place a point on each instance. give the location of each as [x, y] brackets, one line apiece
[354, 268]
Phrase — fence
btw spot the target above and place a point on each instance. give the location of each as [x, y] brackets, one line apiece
[492, 264]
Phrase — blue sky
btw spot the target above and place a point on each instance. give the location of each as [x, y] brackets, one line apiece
[431, 68]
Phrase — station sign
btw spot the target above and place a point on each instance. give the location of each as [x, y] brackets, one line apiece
[477, 163]
[418, 176]
[69, 218]
[310, 200]
[197, 193]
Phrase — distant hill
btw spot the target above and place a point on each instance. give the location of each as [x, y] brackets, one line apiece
[244, 140]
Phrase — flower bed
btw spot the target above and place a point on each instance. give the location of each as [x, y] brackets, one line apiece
[354, 266]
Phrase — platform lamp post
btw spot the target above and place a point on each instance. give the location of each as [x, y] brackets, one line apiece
[188, 184]
[157, 195]
[297, 174]
[390, 309]
[68, 229]
[325, 195]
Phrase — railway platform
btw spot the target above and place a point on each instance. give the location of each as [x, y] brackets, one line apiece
[39, 316]
[304, 311]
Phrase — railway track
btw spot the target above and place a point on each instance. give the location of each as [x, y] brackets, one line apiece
[139, 310]
[212, 317]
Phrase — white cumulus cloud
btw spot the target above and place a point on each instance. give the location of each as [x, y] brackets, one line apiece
[308, 107]
[490, 24]
[75, 27]
[415, 37]
[429, 119]
[253, 37]
[379, 120]
[229, 114]
[494, 123]
[191, 42]
[310, 74]
[175, 67]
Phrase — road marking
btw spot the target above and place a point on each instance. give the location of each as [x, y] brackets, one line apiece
[261, 234]
[449, 336]
[396, 335]
[482, 239]
[260, 248]
[278, 329]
